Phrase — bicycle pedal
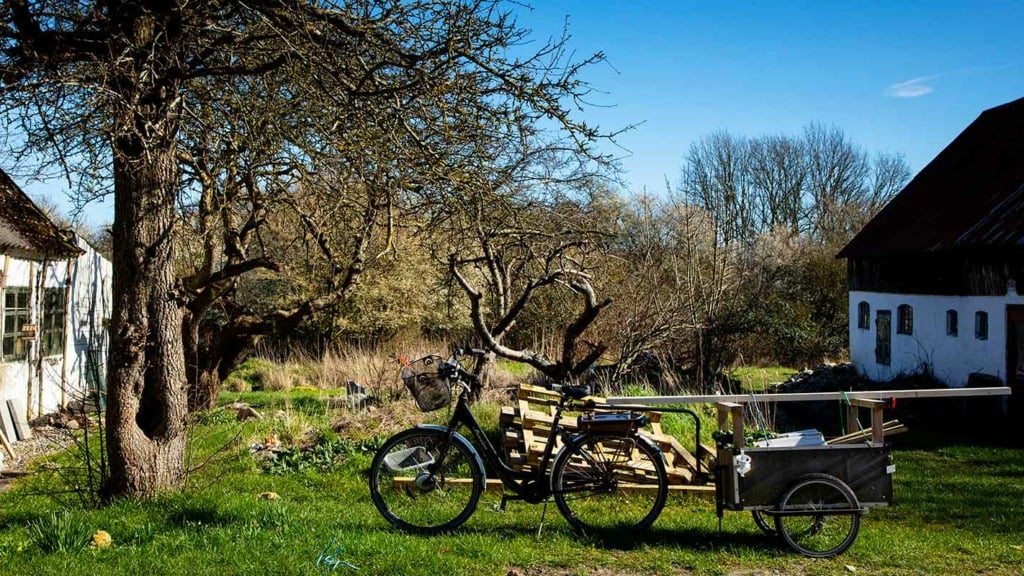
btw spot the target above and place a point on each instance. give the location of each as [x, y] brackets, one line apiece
[504, 501]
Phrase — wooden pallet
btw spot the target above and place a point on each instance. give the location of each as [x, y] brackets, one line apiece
[526, 425]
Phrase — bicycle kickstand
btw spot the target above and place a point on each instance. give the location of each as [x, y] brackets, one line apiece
[543, 513]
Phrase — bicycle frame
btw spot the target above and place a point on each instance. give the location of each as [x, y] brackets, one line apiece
[532, 486]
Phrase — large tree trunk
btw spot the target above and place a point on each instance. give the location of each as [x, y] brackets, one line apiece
[211, 356]
[147, 408]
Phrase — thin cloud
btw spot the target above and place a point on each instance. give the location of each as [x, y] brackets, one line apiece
[917, 87]
[913, 88]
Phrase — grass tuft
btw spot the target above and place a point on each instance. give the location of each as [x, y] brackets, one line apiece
[60, 532]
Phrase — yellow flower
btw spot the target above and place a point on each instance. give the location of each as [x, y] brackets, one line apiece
[101, 539]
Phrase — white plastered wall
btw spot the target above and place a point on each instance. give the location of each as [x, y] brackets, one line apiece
[63, 377]
[951, 359]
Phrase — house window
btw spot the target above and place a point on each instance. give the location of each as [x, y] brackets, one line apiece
[53, 322]
[863, 315]
[16, 315]
[981, 325]
[904, 319]
[952, 323]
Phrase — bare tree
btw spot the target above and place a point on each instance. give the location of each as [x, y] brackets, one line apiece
[508, 253]
[716, 178]
[778, 175]
[94, 85]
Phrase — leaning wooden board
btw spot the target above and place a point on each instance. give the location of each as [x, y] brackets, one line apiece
[17, 411]
[7, 423]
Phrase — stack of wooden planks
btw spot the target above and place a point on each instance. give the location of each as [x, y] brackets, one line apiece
[526, 425]
[889, 428]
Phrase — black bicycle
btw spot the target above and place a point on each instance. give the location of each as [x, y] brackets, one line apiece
[606, 478]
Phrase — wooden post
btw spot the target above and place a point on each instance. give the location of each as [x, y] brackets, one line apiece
[28, 347]
[731, 411]
[723, 414]
[852, 422]
[877, 411]
[68, 327]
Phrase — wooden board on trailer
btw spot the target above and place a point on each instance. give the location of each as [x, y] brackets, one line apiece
[644, 402]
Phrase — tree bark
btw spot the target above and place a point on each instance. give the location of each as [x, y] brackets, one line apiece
[211, 356]
[146, 418]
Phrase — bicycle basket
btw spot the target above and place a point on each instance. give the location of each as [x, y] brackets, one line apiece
[614, 422]
[429, 389]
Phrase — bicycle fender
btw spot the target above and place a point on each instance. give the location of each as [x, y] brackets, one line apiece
[654, 446]
[461, 440]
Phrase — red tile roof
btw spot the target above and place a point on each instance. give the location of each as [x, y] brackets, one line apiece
[970, 196]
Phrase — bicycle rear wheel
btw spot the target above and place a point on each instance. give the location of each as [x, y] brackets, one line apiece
[606, 484]
[426, 481]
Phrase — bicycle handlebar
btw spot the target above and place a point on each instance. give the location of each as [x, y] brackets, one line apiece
[451, 369]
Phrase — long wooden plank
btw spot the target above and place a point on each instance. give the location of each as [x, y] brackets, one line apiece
[632, 401]
[891, 427]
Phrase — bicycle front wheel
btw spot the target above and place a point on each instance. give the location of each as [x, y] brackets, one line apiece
[426, 481]
[606, 484]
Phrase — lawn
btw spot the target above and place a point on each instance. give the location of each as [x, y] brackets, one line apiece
[960, 509]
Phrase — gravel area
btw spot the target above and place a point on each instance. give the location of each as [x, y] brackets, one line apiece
[45, 440]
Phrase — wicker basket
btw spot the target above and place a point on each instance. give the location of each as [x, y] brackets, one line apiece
[430, 390]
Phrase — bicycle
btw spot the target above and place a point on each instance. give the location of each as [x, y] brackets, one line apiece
[607, 478]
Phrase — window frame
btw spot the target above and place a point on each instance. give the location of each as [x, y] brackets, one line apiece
[12, 338]
[981, 325]
[863, 315]
[53, 321]
[905, 319]
[952, 323]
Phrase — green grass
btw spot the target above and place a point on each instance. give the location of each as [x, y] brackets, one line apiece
[960, 510]
[757, 378]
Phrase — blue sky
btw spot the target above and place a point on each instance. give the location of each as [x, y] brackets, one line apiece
[896, 76]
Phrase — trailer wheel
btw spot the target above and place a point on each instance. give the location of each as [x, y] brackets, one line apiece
[819, 516]
[763, 523]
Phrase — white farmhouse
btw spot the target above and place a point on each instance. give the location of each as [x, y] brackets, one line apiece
[934, 277]
[55, 297]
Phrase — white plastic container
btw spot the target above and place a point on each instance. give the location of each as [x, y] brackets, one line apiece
[790, 439]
